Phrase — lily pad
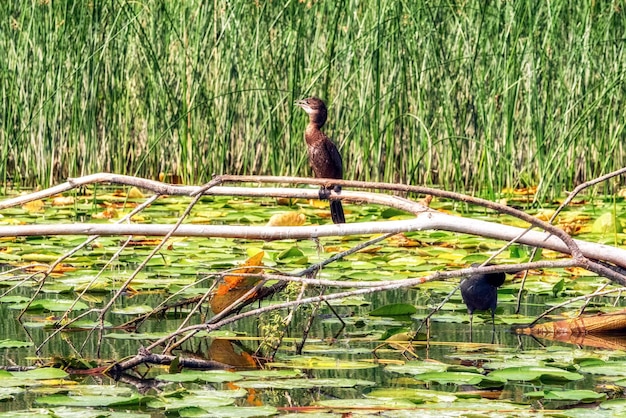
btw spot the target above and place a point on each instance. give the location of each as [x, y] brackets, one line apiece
[51, 305]
[530, 373]
[609, 368]
[213, 376]
[15, 344]
[304, 383]
[414, 395]
[231, 411]
[92, 400]
[395, 309]
[322, 363]
[567, 395]
[417, 367]
[458, 378]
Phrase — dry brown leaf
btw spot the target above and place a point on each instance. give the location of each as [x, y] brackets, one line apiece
[63, 201]
[135, 193]
[426, 200]
[401, 240]
[33, 206]
[235, 285]
[545, 214]
[223, 351]
[108, 213]
[287, 219]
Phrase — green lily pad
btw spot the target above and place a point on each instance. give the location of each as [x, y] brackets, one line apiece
[414, 395]
[530, 373]
[395, 309]
[304, 383]
[567, 395]
[322, 363]
[458, 378]
[606, 224]
[609, 368]
[51, 305]
[213, 376]
[15, 344]
[191, 401]
[417, 367]
[391, 403]
[40, 374]
[92, 400]
[230, 412]
[133, 310]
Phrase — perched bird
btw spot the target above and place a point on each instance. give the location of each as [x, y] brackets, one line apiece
[324, 157]
[480, 292]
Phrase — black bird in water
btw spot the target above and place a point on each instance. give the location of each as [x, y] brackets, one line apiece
[324, 157]
[480, 292]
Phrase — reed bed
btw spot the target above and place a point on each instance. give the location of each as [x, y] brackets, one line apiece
[471, 96]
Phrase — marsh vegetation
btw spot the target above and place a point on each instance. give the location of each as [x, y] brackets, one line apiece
[472, 96]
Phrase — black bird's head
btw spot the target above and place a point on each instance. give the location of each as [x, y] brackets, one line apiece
[315, 108]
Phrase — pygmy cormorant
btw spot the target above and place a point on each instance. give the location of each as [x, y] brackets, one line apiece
[324, 157]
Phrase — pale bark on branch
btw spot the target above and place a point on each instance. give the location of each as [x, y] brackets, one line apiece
[582, 253]
[426, 218]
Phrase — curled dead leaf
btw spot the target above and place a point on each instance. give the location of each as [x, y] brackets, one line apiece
[63, 201]
[235, 285]
[287, 219]
[33, 206]
[135, 193]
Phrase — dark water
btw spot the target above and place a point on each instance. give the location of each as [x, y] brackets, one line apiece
[447, 342]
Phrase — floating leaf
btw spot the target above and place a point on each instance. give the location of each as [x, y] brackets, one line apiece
[6, 394]
[92, 400]
[377, 404]
[63, 201]
[232, 412]
[52, 305]
[606, 224]
[191, 401]
[212, 376]
[529, 373]
[293, 253]
[572, 395]
[391, 213]
[415, 395]
[15, 344]
[322, 363]
[33, 206]
[609, 368]
[223, 351]
[133, 310]
[395, 309]
[41, 374]
[304, 383]
[271, 374]
[135, 193]
[287, 219]
[617, 405]
[417, 367]
[235, 286]
[458, 378]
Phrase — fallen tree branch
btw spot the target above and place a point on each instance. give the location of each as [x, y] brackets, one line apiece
[392, 201]
[427, 221]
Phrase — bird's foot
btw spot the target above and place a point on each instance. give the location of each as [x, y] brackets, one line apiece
[324, 193]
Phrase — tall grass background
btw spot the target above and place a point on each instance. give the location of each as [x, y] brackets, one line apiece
[469, 95]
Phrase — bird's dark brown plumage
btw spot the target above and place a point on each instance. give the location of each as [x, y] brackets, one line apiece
[324, 157]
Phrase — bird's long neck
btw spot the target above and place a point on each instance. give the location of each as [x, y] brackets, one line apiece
[313, 133]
